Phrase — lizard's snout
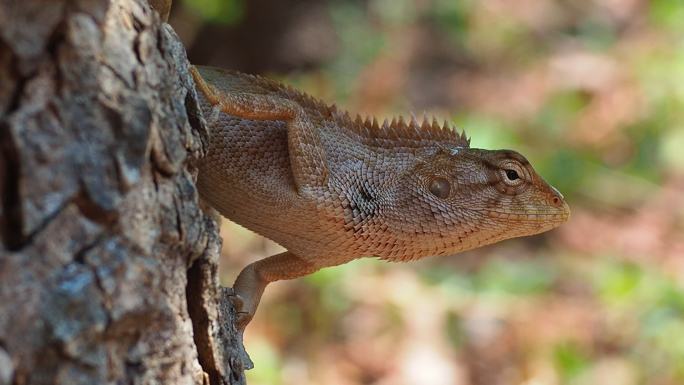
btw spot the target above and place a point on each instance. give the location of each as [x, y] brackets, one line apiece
[557, 201]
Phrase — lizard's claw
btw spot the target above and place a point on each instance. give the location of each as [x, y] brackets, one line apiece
[247, 292]
[230, 305]
[243, 318]
[242, 312]
[237, 301]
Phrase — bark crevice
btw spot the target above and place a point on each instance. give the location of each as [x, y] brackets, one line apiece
[9, 171]
[219, 346]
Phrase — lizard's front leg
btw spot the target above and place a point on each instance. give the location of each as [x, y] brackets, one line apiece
[252, 280]
[227, 91]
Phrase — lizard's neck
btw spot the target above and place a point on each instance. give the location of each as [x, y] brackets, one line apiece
[370, 217]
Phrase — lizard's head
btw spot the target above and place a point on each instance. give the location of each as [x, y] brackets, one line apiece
[478, 197]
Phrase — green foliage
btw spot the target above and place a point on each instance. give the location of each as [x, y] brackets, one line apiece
[570, 360]
[515, 277]
[454, 330]
[618, 282]
[653, 303]
[360, 44]
[218, 11]
[452, 18]
[668, 13]
[560, 109]
[498, 278]
[269, 366]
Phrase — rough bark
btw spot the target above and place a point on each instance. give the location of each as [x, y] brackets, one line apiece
[107, 263]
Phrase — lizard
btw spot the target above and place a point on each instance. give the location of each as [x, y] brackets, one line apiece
[331, 188]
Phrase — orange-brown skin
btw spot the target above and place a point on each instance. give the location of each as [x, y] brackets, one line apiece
[331, 189]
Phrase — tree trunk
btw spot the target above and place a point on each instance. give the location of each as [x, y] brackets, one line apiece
[107, 263]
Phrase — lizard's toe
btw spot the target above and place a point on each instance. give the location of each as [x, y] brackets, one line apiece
[237, 302]
[242, 319]
[242, 312]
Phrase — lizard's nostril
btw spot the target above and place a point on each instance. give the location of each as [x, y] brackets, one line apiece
[556, 201]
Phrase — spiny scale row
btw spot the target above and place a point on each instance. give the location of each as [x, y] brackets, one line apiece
[397, 128]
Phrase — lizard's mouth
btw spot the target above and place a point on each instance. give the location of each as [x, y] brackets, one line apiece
[551, 216]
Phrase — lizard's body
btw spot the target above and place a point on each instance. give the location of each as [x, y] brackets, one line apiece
[331, 189]
[328, 224]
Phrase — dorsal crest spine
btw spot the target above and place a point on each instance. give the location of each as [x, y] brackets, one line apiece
[397, 131]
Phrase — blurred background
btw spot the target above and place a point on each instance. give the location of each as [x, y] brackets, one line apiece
[592, 92]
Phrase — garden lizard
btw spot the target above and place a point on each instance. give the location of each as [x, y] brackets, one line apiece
[332, 188]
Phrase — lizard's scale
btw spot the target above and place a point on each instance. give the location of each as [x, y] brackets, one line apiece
[331, 188]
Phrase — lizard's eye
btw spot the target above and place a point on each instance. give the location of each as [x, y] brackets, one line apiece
[512, 175]
[440, 187]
